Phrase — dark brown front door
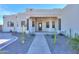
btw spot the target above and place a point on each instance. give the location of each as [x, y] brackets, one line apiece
[40, 26]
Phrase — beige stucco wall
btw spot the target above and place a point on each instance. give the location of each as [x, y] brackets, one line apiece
[43, 12]
[16, 19]
[70, 19]
[5, 20]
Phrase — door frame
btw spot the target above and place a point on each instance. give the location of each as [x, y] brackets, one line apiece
[40, 28]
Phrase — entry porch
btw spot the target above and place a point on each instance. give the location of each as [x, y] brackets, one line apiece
[44, 24]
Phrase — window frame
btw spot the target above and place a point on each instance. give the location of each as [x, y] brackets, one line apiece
[23, 23]
[27, 24]
[53, 24]
[11, 24]
[47, 24]
[33, 24]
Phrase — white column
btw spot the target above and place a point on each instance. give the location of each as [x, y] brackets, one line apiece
[30, 25]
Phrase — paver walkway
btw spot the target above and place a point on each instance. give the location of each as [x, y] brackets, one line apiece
[39, 45]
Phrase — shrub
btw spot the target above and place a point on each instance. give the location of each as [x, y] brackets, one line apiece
[22, 37]
[61, 34]
[32, 34]
[47, 34]
[52, 36]
[11, 31]
[75, 43]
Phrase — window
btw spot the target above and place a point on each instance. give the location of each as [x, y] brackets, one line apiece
[47, 24]
[33, 24]
[11, 24]
[22, 23]
[53, 24]
[59, 24]
[27, 24]
[8, 23]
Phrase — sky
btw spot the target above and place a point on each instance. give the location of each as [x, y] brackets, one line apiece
[8, 9]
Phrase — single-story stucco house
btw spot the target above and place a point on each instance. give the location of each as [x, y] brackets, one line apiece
[44, 20]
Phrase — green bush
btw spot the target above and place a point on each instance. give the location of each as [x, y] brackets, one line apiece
[75, 43]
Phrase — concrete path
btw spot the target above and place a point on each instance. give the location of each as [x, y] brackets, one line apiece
[39, 45]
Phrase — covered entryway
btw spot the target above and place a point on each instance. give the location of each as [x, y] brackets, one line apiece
[45, 24]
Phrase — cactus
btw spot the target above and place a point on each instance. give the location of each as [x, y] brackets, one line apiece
[70, 31]
[54, 38]
[75, 35]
